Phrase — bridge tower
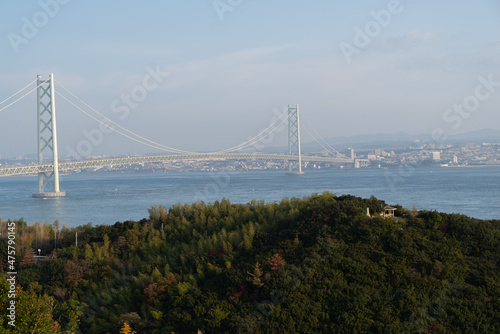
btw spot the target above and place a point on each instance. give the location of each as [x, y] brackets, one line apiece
[47, 138]
[294, 139]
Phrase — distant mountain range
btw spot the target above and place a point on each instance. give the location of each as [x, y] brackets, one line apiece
[401, 139]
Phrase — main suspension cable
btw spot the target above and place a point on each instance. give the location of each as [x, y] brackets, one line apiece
[332, 150]
[245, 144]
[117, 131]
[22, 97]
[121, 127]
[19, 91]
[248, 143]
[256, 138]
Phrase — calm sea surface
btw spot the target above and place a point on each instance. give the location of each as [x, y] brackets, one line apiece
[107, 198]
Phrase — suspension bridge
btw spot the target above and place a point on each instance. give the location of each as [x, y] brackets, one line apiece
[48, 172]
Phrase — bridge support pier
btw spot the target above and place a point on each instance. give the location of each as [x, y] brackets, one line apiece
[47, 138]
[294, 139]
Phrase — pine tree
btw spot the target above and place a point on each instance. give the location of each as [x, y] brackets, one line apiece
[276, 262]
[29, 257]
[89, 254]
[247, 242]
[255, 278]
[126, 329]
[105, 247]
[158, 213]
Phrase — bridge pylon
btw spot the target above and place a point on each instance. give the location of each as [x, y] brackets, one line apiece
[294, 139]
[47, 138]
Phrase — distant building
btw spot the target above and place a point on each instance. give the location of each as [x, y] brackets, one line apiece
[350, 153]
[455, 159]
[436, 156]
[361, 163]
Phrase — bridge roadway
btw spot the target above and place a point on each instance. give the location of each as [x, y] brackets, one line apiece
[33, 169]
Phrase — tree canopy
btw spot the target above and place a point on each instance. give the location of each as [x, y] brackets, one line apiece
[303, 265]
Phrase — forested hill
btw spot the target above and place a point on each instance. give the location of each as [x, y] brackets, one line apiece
[312, 265]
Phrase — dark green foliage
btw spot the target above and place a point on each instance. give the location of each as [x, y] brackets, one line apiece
[312, 265]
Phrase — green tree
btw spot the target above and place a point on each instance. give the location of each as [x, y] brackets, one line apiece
[32, 314]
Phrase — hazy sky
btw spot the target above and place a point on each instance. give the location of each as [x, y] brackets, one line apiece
[225, 68]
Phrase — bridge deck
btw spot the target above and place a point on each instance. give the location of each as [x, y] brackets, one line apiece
[33, 169]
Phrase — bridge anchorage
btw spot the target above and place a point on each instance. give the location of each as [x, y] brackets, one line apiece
[47, 138]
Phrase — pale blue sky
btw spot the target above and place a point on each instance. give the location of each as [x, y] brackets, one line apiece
[227, 76]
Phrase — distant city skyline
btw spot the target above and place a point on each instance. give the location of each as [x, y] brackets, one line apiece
[215, 73]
